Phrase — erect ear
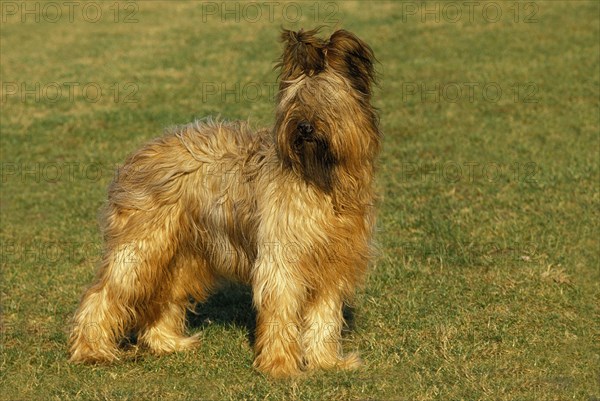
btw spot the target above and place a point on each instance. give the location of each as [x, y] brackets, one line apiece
[304, 53]
[353, 58]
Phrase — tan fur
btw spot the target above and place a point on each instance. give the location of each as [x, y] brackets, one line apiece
[288, 211]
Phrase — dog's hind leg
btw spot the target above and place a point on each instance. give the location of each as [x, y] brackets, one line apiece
[127, 283]
[163, 330]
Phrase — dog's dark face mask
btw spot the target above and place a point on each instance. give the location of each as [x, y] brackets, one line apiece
[314, 155]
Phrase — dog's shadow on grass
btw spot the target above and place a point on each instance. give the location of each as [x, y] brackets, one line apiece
[232, 305]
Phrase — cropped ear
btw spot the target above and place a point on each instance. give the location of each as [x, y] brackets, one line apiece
[304, 53]
[353, 58]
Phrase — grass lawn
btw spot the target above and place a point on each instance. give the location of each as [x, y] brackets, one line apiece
[487, 281]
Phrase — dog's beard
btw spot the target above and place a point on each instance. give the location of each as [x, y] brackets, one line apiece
[310, 156]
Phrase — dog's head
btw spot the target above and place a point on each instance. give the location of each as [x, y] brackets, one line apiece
[325, 121]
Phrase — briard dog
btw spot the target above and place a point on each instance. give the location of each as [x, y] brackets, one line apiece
[287, 210]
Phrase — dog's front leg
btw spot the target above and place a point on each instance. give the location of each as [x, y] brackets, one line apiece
[278, 298]
[323, 320]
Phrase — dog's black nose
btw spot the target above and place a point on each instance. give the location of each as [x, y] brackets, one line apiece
[305, 128]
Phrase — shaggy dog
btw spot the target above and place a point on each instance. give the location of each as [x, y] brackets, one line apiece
[287, 210]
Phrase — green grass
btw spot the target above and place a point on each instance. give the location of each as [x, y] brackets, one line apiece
[487, 282]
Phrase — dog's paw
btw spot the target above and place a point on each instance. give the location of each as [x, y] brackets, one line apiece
[91, 355]
[350, 361]
[277, 367]
[160, 343]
